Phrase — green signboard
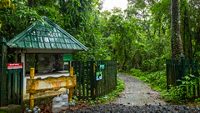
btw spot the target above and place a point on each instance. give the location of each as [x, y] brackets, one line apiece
[67, 57]
[99, 73]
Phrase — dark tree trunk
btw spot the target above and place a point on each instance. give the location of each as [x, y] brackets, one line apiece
[186, 35]
[176, 42]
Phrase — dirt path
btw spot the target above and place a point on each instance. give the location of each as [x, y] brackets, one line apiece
[137, 93]
[136, 98]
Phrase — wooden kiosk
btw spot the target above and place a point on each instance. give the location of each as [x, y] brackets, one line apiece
[43, 46]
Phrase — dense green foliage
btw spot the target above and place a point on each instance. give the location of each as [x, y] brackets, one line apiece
[138, 37]
[185, 91]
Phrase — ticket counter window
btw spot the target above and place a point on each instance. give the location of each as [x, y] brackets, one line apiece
[46, 63]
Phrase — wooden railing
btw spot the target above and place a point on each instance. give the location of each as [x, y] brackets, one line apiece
[41, 85]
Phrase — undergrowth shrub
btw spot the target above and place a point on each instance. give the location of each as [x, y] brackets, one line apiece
[157, 79]
[185, 90]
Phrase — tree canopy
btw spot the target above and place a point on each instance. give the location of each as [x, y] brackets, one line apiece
[138, 37]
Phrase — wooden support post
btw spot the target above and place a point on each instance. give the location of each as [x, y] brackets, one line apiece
[71, 90]
[24, 73]
[31, 97]
[3, 69]
[71, 72]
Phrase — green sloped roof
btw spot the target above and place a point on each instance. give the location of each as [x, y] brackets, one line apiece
[45, 35]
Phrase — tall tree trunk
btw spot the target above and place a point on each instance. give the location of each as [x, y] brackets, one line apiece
[185, 30]
[176, 42]
[187, 44]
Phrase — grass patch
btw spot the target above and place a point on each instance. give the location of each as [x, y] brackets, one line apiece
[157, 80]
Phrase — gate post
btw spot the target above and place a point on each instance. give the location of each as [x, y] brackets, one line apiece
[3, 77]
[93, 79]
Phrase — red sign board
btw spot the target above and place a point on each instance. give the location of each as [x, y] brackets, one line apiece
[14, 66]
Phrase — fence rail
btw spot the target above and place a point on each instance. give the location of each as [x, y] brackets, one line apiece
[94, 78]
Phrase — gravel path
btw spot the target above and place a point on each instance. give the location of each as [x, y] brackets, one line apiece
[136, 98]
[137, 93]
[118, 108]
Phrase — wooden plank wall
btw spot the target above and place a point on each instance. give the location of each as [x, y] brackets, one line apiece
[87, 85]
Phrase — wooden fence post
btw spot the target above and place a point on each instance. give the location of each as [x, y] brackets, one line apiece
[93, 79]
[32, 89]
[3, 69]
